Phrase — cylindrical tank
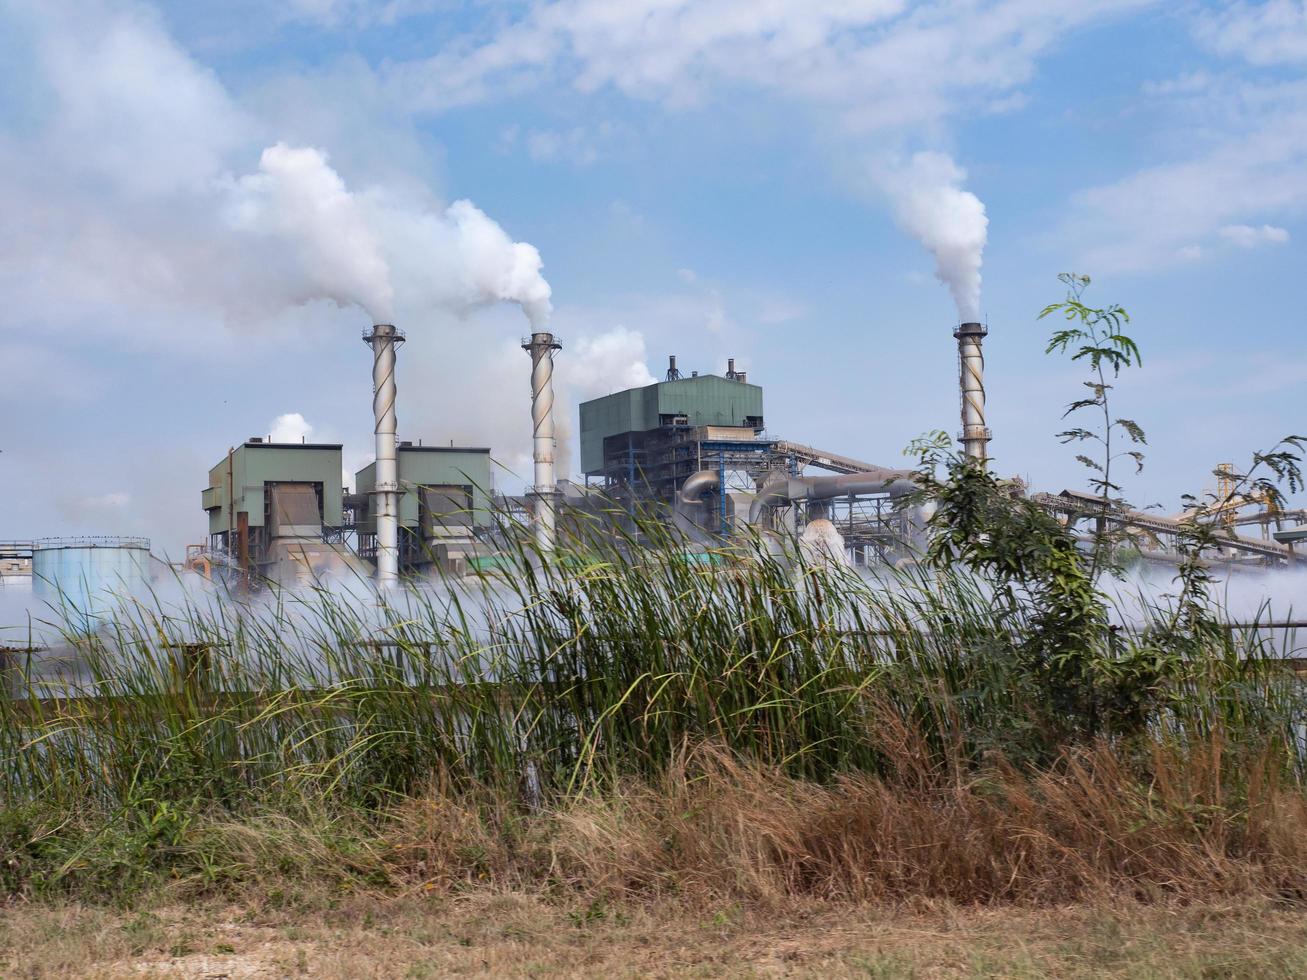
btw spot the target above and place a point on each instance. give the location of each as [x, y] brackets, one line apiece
[84, 578]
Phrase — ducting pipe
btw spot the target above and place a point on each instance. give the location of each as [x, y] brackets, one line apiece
[541, 347]
[698, 484]
[971, 382]
[781, 489]
[383, 339]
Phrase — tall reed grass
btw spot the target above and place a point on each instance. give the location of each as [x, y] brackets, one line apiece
[564, 676]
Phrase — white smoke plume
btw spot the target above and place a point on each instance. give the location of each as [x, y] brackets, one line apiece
[298, 198]
[930, 205]
[375, 249]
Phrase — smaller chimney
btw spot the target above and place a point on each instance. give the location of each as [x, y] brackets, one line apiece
[971, 382]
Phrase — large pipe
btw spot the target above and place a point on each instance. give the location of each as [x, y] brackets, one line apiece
[971, 381]
[541, 347]
[383, 339]
[779, 488]
[698, 484]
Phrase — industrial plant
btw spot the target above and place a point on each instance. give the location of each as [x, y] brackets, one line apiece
[694, 451]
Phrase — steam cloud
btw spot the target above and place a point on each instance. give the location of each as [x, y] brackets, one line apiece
[374, 248]
[930, 205]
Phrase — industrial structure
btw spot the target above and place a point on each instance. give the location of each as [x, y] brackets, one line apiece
[444, 503]
[694, 451]
[384, 339]
[276, 510]
[971, 384]
[541, 347]
[696, 447]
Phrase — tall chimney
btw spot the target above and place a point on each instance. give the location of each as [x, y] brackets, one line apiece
[730, 368]
[672, 373]
[971, 380]
[383, 339]
[541, 347]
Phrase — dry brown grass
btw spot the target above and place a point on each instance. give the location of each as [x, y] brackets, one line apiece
[718, 829]
[1096, 867]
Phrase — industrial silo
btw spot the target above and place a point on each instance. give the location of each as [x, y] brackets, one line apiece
[84, 578]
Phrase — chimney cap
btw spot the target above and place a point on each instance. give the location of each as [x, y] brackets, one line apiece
[382, 330]
[970, 329]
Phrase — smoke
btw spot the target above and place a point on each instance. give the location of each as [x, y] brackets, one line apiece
[821, 542]
[930, 205]
[291, 427]
[375, 248]
[498, 268]
[298, 198]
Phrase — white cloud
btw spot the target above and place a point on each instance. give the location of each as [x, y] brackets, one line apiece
[610, 361]
[290, 427]
[129, 105]
[578, 146]
[1250, 164]
[1246, 236]
[877, 62]
[1239, 153]
[1268, 33]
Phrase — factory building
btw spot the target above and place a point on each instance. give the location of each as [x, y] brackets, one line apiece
[445, 499]
[697, 446]
[277, 509]
[643, 444]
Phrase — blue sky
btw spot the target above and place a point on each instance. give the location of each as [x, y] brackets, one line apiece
[195, 198]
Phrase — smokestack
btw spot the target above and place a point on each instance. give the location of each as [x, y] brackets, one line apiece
[672, 373]
[730, 368]
[541, 347]
[383, 339]
[971, 380]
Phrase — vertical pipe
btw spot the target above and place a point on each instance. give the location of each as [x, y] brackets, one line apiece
[971, 381]
[383, 339]
[541, 347]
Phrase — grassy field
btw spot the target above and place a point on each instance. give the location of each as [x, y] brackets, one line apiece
[613, 760]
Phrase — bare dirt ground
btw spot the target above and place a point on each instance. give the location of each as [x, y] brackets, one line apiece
[527, 936]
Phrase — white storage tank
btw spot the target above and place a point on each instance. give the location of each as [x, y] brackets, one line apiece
[88, 576]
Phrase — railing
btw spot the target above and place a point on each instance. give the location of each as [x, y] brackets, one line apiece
[90, 541]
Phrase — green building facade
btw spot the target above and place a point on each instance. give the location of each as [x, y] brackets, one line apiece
[244, 475]
[433, 467]
[703, 400]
